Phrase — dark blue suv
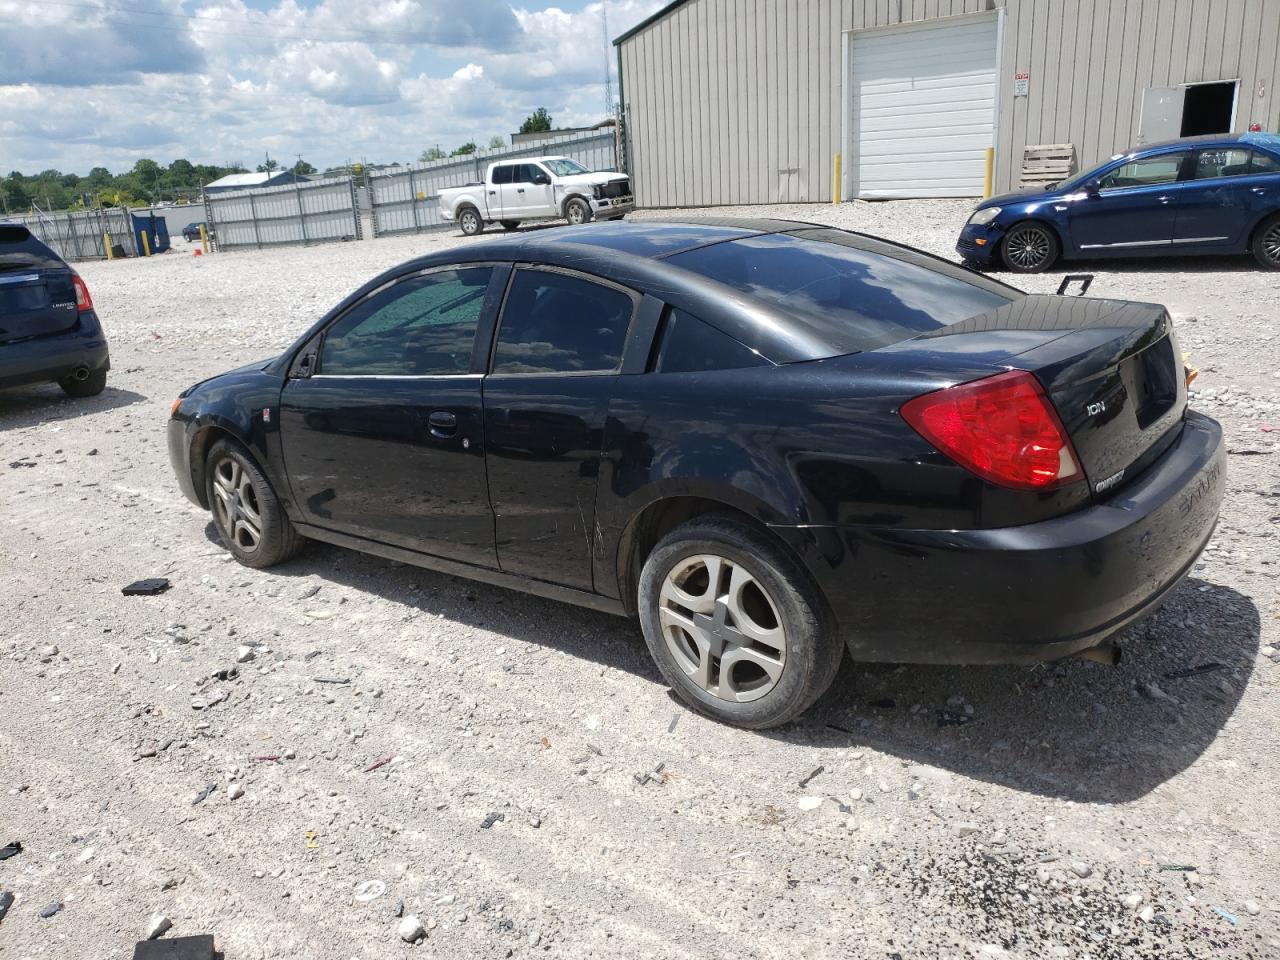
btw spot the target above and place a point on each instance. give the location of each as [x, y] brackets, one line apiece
[1196, 196]
[49, 332]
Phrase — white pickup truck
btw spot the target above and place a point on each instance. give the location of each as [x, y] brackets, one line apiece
[536, 188]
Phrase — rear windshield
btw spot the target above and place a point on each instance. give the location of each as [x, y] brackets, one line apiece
[853, 293]
[19, 250]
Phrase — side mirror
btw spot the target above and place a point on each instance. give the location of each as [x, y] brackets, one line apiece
[541, 179]
[1091, 188]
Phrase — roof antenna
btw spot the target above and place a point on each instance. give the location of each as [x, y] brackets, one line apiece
[608, 75]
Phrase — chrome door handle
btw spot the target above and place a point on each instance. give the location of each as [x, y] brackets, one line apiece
[519, 189]
[493, 193]
[1258, 190]
[1164, 199]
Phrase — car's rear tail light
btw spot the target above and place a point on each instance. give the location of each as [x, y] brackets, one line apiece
[83, 300]
[1003, 428]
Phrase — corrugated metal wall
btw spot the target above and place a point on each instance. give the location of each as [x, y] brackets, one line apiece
[312, 212]
[739, 101]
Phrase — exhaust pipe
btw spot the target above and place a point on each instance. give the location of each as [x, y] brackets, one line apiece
[1107, 653]
[81, 373]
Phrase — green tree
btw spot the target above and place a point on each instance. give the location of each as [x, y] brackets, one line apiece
[465, 150]
[432, 153]
[537, 122]
[302, 168]
[497, 143]
[269, 167]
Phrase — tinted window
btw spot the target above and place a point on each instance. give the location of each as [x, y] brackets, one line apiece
[689, 345]
[527, 172]
[504, 174]
[1211, 164]
[851, 293]
[553, 323]
[1146, 172]
[1264, 163]
[426, 325]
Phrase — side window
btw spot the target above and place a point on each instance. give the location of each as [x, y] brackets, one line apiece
[1147, 172]
[503, 174]
[422, 326]
[1264, 163]
[688, 345]
[1211, 164]
[527, 170]
[554, 323]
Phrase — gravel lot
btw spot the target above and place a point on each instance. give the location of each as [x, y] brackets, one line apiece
[514, 818]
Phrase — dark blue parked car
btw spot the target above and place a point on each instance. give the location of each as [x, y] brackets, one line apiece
[1196, 196]
[49, 332]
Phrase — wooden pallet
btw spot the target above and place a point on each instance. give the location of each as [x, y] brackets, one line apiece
[1047, 163]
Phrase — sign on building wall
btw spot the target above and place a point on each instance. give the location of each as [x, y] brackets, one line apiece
[1021, 84]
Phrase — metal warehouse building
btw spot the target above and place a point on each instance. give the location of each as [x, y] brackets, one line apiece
[749, 101]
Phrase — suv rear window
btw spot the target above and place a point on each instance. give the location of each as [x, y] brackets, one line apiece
[852, 292]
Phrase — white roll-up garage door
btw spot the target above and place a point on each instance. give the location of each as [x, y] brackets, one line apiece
[923, 102]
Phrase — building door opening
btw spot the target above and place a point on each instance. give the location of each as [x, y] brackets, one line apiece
[1208, 108]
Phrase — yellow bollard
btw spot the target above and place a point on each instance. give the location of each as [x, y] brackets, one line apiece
[204, 238]
[835, 180]
[106, 245]
[986, 177]
[146, 244]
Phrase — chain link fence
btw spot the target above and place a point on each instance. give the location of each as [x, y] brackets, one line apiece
[316, 212]
[407, 199]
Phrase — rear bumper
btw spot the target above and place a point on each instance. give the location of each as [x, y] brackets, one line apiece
[978, 244]
[49, 359]
[1023, 594]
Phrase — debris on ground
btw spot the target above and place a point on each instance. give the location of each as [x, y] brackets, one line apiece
[411, 929]
[146, 588]
[491, 819]
[203, 795]
[1194, 671]
[6, 901]
[652, 776]
[158, 926]
[50, 910]
[369, 890]
[11, 849]
[378, 763]
[179, 948]
[1227, 915]
[805, 782]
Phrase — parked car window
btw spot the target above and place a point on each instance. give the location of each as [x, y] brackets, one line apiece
[1211, 164]
[554, 323]
[1146, 172]
[527, 172]
[1264, 163]
[505, 173]
[419, 327]
[689, 345]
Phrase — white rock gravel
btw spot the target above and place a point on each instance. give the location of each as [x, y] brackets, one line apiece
[1069, 762]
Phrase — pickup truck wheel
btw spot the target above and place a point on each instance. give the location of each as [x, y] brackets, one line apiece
[510, 224]
[470, 221]
[577, 211]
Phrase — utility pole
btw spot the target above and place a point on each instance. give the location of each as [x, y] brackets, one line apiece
[608, 76]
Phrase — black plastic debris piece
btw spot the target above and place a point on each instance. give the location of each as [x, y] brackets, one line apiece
[227, 673]
[948, 719]
[20, 463]
[805, 782]
[650, 776]
[203, 795]
[146, 588]
[11, 849]
[1194, 671]
[6, 901]
[886, 703]
[52, 910]
[178, 948]
[491, 819]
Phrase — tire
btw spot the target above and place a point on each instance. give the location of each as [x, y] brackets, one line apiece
[93, 385]
[471, 222]
[1030, 247]
[243, 503]
[1266, 243]
[773, 596]
[577, 211]
[510, 224]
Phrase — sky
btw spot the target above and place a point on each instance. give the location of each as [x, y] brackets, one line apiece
[86, 83]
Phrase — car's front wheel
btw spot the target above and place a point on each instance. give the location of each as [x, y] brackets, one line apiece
[471, 222]
[1266, 243]
[577, 211]
[1030, 247]
[734, 624]
[249, 516]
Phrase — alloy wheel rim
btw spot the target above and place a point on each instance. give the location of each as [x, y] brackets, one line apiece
[1028, 248]
[236, 501]
[722, 628]
[469, 221]
[1271, 244]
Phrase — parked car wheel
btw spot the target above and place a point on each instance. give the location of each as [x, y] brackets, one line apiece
[246, 511]
[1030, 247]
[471, 222]
[577, 211]
[510, 224]
[1266, 243]
[735, 626]
[90, 386]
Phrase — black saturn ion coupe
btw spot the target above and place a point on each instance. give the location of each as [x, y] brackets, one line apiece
[770, 441]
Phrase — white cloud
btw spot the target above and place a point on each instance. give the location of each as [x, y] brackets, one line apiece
[217, 81]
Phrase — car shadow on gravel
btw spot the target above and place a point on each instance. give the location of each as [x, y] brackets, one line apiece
[26, 406]
[1073, 729]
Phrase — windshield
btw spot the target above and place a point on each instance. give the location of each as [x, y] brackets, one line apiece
[1080, 178]
[565, 168]
[852, 293]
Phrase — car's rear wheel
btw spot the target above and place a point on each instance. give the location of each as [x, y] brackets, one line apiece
[471, 222]
[1266, 243]
[1029, 247]
[89, 386]
[577, 211]
[248, 514]
[734, 624]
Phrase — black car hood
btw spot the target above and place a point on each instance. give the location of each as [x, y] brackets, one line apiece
[1016, 196]
[246, 368]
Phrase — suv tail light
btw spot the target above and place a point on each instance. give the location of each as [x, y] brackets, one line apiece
[1003, 428]
[83, 300]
